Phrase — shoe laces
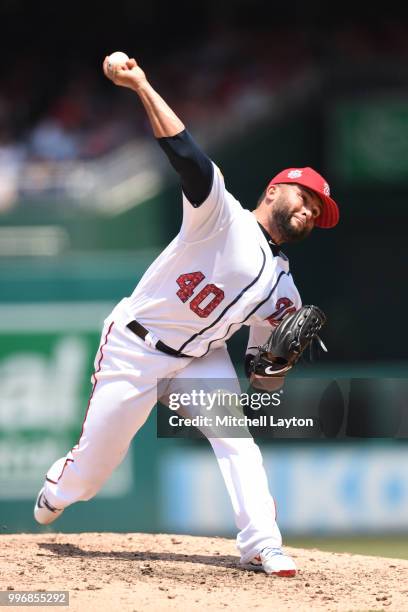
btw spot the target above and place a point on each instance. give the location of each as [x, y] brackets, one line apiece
[269, 551]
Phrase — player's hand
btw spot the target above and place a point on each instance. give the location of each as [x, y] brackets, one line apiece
[128, 74]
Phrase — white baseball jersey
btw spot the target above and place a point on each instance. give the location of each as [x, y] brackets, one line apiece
[218, 274]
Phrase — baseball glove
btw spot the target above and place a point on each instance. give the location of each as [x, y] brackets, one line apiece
[287, 342]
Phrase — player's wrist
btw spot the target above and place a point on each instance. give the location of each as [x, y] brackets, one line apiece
[140, 85]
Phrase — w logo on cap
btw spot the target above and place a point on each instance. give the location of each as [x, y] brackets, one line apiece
[326, 189]
[293, 174]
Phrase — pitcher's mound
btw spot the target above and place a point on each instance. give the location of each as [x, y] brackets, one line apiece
[139, 572]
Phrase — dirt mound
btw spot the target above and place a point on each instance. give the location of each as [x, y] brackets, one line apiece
[134, 572]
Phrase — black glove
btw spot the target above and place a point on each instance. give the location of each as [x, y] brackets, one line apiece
[287, 342]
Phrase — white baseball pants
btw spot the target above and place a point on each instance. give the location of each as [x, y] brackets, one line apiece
[124, 393]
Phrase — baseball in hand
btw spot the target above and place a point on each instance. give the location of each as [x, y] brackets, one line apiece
[117, 58]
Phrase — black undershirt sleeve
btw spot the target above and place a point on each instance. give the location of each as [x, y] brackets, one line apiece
[193, 166]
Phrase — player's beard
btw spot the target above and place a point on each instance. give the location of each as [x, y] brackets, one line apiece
[282, 218]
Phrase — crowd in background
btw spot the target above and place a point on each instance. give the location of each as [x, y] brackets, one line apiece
[46, 115]
[83, 117]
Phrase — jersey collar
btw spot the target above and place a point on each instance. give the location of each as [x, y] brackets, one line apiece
[274, 247]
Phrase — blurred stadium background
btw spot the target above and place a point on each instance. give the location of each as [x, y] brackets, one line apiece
[87, 201]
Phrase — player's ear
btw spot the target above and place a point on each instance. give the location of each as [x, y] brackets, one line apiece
[271, 192]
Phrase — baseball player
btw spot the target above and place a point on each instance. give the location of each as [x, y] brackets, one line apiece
[223, 270]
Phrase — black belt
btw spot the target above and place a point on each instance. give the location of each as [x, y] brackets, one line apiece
[142, 332]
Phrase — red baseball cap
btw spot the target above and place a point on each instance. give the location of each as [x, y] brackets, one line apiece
[308, 177]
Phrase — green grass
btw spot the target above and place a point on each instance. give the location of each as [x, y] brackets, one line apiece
[384, 546]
